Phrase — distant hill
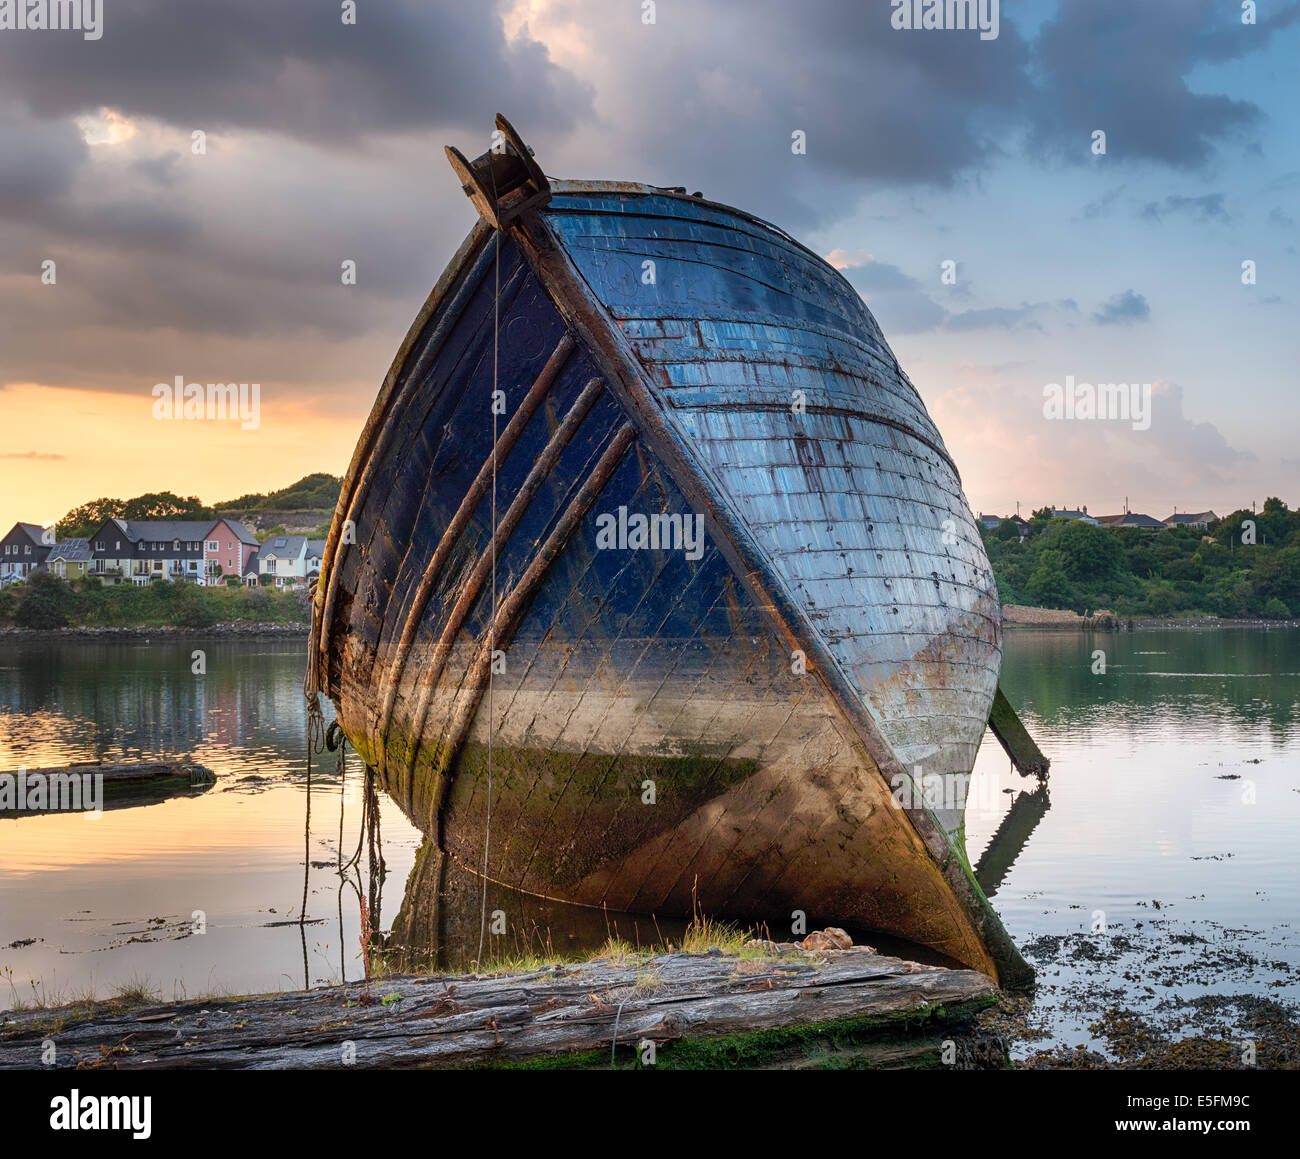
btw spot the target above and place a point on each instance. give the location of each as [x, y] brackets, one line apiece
[316, 492]
[302, 508]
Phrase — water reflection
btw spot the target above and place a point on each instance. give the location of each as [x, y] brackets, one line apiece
[91, 701]
[1152, 764]
[1010, 838]
[1159, 680]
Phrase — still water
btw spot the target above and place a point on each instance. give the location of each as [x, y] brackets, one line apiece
[1156, 865]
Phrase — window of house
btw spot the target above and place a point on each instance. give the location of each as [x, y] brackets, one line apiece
[212, 545]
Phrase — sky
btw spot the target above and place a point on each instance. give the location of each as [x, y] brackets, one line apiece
[322, 143]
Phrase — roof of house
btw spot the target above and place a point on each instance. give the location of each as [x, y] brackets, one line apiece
[1129, 519]
[70, 551]
[1068, 513]
[1187, 517]
[316, 548]
[35, 530]
[241, 532]
[283, 547]
[250, 568]
[158, 530]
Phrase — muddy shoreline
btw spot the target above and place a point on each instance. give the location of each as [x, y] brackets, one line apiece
[1021, 617]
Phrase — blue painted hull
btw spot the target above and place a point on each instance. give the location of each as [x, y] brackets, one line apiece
[750, 721]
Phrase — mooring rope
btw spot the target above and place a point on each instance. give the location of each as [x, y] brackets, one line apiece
[492, 618]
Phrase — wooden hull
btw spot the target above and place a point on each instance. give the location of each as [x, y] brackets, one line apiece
[750, 721]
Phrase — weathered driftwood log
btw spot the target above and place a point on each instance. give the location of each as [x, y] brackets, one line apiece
[850, 1007]
[79, 786]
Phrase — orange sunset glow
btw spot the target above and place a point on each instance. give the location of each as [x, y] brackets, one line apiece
[80, 447]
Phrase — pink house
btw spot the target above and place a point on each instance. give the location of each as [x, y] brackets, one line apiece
[227, 549]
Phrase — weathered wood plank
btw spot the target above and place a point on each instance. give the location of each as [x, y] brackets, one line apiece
[91, 785]
[549, 1014]
[1015, 739]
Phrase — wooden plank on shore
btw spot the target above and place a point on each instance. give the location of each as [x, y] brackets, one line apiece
[889, 1008]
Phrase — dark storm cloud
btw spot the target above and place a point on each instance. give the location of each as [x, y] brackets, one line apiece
[1123, 309]
[293, 67]
[1122, 67]
[333, 135]
[712, 93]
[37, 162]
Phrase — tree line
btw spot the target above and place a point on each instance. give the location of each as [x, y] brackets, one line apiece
[1247, 564]
[313, 492]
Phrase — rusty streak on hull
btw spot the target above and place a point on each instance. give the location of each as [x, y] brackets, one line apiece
[786, 697]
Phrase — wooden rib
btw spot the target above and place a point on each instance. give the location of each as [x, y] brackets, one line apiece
[399, 384]
[507, 618]
[504, 445]
[473, 586]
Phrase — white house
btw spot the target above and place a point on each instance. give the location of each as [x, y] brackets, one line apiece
[284, 558]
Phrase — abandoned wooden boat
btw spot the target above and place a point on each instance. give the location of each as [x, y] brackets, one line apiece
[652, 584]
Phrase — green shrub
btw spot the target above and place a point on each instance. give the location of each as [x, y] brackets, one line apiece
[46, 602]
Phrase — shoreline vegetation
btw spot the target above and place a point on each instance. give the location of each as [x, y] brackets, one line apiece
[1055, 573]
[46, 605]
[1243, 567]
[184, 611]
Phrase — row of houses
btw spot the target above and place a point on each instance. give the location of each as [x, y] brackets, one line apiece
[142, 551]
[1198, 521]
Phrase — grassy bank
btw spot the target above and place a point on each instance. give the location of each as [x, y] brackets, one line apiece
[46, 602]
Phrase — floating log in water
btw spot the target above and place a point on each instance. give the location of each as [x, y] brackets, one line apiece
[846, 1007]
[90, 785]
